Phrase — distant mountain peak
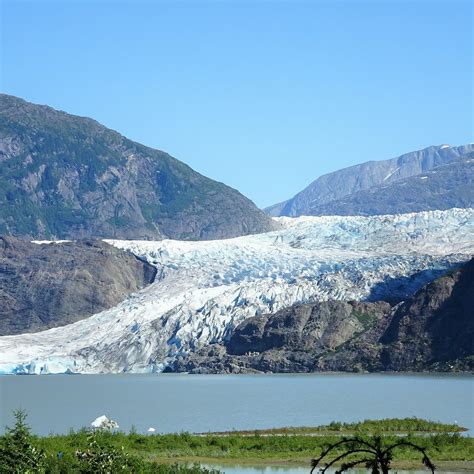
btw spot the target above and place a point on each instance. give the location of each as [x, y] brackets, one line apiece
[317, 198]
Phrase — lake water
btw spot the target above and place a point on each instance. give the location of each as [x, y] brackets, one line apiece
[200, 403]
[298, 470]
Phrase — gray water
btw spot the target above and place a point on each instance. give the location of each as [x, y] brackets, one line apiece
[201, 403]
[298, 470]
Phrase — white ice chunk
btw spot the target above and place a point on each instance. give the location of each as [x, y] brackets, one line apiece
[104, 423]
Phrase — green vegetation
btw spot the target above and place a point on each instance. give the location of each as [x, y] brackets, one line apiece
[161, 453]
[384, 426]
[89, 452]
[251, 449]
[17, 451]
[367, 320]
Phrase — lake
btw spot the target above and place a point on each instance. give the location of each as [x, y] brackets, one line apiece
[200, 403]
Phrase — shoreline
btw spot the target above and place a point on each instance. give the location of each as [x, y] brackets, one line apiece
[454, 373]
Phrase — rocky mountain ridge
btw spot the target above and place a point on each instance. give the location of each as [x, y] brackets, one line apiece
[68, 177]
[444, 187]
[355, 190]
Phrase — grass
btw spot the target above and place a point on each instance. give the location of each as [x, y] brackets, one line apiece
[384, 426]
[298, 449]
[283, 446]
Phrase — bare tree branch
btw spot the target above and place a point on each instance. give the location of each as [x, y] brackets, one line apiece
[353, 441]
[426, 461]
[342, 456]
[380, 454]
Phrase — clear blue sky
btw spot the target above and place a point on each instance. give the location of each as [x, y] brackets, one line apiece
[265, 95]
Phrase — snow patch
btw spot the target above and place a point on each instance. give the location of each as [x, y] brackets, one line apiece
[391, 174]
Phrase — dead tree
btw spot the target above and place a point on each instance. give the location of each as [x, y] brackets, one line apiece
[371, 452]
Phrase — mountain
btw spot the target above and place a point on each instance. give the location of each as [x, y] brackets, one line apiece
[207, 288]
[316, 199]
[432, 330]
[444, 187]
[51, 285]
[68, 177]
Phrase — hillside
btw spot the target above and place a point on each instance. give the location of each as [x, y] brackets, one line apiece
[340, 186]
[51, 285]
[68, 177]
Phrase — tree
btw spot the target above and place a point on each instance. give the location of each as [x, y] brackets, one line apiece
[372, 452]
[17, 452]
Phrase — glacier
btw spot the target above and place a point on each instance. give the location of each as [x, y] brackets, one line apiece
[203, 289]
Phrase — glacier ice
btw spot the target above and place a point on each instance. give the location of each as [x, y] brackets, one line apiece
[205, 288]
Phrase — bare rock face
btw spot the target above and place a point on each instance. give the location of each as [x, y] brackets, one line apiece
[435, 327]
[69, 177]
[290, 340]
[316, 327]
[432, 330]
[50, 285]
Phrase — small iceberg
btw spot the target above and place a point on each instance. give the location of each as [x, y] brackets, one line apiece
[104, 423]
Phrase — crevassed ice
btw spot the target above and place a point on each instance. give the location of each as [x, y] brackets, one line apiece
[205, 288]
